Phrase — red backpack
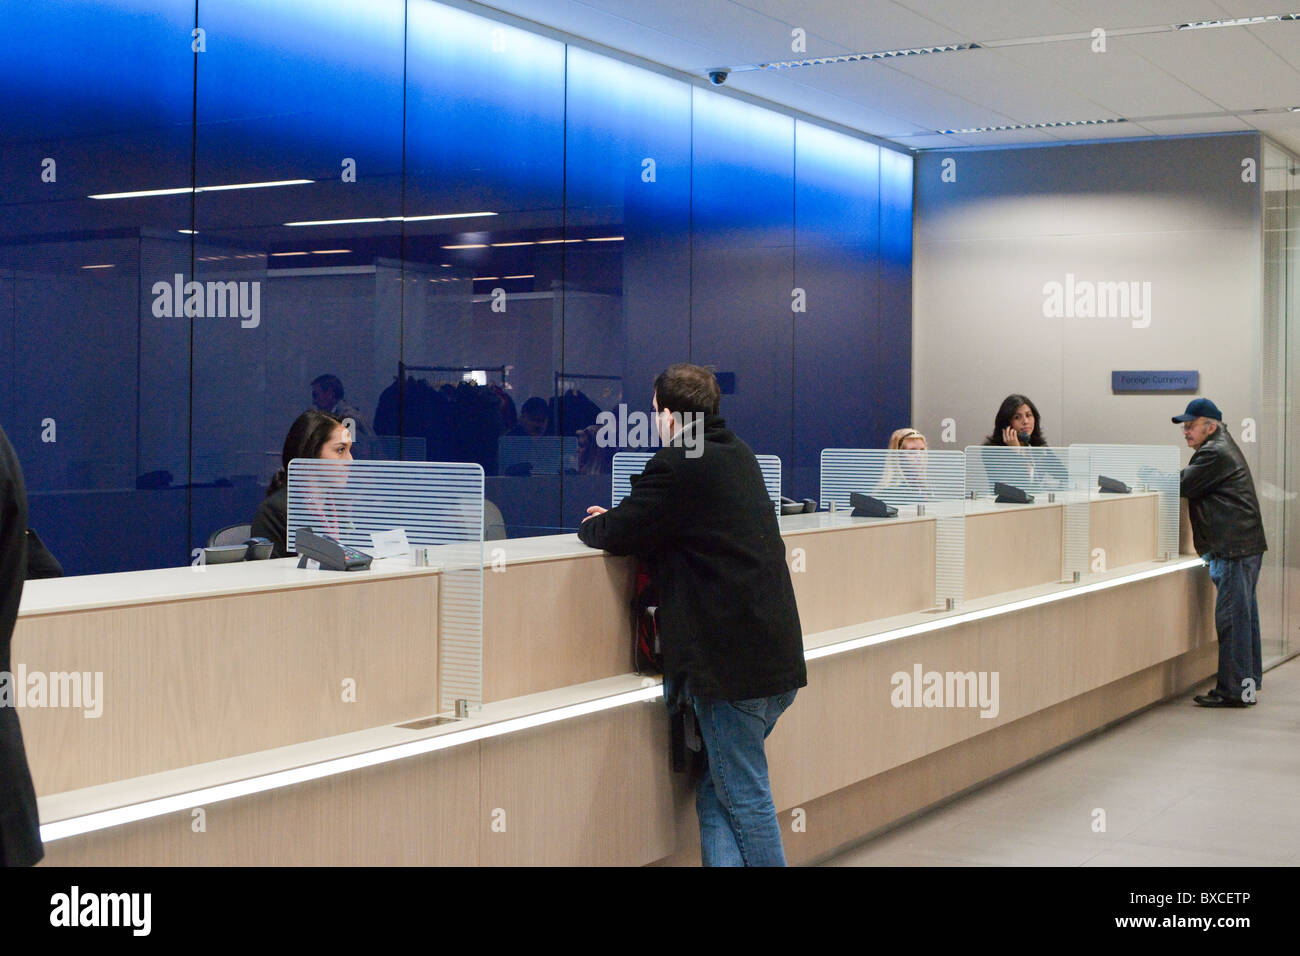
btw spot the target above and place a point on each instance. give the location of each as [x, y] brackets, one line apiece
[647, 653]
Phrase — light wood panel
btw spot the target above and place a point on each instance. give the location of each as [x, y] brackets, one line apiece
[845, 817]
[1125, 527]
[849, 575]
[1011, 549]
[1186, 541]
[417, 812]
[193, 681]
[592, 791]
[549, 624]
[597, 789]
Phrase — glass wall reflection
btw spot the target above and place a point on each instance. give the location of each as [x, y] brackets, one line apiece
[467, 239]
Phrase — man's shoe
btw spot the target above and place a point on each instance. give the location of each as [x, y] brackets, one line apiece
[1214, 700]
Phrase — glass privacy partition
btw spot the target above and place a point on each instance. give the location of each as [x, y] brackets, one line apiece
[630, 463]
[1143, 469]
[916, 482]
[1018, 477]
[437, 504]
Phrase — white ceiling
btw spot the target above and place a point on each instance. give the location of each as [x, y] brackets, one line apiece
[1163, 83]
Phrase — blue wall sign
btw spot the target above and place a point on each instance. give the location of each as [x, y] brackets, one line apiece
[1154, 381]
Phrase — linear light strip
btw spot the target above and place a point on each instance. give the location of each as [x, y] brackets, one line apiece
[1016, 126]
[187, 190]
[350, 222]
[74, 826]
[878, 55]
[132, 813]
[968, 617]
[1238, 22]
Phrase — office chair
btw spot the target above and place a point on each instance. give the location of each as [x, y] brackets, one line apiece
[494, 526]
[231, 534]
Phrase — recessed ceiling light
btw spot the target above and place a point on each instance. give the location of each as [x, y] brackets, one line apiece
[274, 254]
[329, 252]
[1238, 22]
[186, 190]
[1017, 126]
[878, 55]
[107, 265]
[350, 222]
[469, 245]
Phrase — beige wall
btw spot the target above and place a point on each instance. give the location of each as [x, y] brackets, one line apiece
[1174, 213]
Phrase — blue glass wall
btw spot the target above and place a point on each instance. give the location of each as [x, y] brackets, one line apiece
[423, 195]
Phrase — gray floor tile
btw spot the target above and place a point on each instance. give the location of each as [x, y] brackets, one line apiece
[1181, 785]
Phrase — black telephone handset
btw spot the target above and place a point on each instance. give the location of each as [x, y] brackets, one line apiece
[1011, 494]
[791, 507]
[331, 555]
[865, 506]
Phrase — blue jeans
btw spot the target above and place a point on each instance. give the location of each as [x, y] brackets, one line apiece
[1236, 618]
[738, 824]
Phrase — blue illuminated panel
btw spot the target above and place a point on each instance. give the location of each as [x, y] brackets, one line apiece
[623, 220]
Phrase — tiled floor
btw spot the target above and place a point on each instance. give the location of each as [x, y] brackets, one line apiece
[1179, 785]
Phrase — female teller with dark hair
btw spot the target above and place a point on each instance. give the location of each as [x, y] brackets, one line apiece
[1017, 423]
[314, 434]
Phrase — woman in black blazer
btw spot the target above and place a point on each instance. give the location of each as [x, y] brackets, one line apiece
[314, 434]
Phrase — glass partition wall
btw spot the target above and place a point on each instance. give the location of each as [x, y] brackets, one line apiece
[1277, 480]
[469, 239]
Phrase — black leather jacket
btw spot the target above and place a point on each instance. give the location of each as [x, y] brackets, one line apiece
[1221, 500]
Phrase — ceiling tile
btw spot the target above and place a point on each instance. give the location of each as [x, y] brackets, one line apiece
[1282, 38]
[863, 28]
[1118, 81]
[933, 141]
[818, 102]
[1117, 14]
[1227, 65]
[746, 35]
[1183, 127]
[1008, 137]
[1003, 20]
[1002, 85]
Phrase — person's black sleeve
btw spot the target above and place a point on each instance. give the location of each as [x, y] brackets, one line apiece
[271, 522]
[41, 562]
[1207, 469]
[641, 521]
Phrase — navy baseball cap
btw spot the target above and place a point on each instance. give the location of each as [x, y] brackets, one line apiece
[1197, 408]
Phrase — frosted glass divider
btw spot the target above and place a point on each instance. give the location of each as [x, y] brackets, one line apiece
[1143, 468]
[906, 479]
[437, 504]
[542, 454]
[630, 463]
[1053, 475]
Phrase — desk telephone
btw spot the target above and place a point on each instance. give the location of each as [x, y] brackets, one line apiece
[331, 555]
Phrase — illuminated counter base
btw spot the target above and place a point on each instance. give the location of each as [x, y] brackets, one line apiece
[596, 789]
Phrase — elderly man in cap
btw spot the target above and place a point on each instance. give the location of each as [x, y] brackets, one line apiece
[1229, 534]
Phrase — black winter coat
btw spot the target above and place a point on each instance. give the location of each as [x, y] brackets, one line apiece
[20, 836]
[1221, 500]
[707, 529]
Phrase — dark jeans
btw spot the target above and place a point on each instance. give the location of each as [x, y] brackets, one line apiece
[1236, 618]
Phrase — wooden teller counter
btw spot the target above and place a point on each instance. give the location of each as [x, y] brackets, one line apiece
[261, 714]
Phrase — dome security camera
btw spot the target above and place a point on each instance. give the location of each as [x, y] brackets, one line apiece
[718, 77]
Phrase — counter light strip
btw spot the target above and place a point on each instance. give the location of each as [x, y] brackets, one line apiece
[147, 809]
[135, 812]
[842, 647]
